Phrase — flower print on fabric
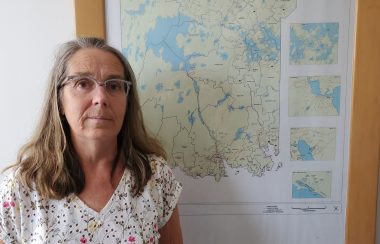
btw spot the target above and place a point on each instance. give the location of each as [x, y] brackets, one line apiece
[25, 217]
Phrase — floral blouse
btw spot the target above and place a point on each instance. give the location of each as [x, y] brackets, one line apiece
[25, 217]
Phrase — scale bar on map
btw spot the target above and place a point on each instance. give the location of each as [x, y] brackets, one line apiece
[260, 208]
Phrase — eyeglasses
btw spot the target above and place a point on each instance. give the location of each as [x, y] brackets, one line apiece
[86, 84]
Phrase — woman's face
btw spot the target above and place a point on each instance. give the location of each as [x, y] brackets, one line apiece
[93, 114]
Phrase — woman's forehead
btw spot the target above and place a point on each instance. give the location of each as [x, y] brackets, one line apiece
[94, 60]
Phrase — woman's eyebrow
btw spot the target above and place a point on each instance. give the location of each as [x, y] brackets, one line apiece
[82, 74]
[111, 76]
[115, 77]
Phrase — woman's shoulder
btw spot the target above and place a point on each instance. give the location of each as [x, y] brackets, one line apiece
[9, 177]
[9, 184]
[165, 187]
[158, 164]
[156, 159]
[161, 170]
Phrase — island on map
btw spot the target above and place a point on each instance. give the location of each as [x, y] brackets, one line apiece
[312, 184]
[314, 43]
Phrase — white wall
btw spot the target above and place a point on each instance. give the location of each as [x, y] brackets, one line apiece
[30, 34]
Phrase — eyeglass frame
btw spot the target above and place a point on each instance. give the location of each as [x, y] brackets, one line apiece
[127, 84]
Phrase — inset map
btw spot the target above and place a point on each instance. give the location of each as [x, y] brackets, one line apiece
[309, 144]
[314, 96]
[314, 43]
[312, 184]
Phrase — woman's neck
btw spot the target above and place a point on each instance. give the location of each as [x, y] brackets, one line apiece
[95, 152]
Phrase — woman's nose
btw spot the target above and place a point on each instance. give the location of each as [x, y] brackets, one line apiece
[100, 95]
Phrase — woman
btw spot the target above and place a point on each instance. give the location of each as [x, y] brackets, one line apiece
[90, 173]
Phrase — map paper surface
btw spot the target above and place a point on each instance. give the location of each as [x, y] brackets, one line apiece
[251, 102]
[209, 80]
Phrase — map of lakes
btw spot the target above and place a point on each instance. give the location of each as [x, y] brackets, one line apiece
[209, 75]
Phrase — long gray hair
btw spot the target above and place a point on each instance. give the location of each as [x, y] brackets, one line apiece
[49, 161]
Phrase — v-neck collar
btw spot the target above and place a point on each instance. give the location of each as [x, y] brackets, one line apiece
[105, 210]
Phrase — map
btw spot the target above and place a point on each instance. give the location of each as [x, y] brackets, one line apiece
[307, 144]
[209, 77]
[314, 43]
[313, 184]
[251, 102]
[314, 96]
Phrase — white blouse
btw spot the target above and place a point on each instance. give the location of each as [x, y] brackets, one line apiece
[25, 217]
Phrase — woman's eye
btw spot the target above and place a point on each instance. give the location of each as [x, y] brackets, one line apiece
[83, 84]
[114, 85]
